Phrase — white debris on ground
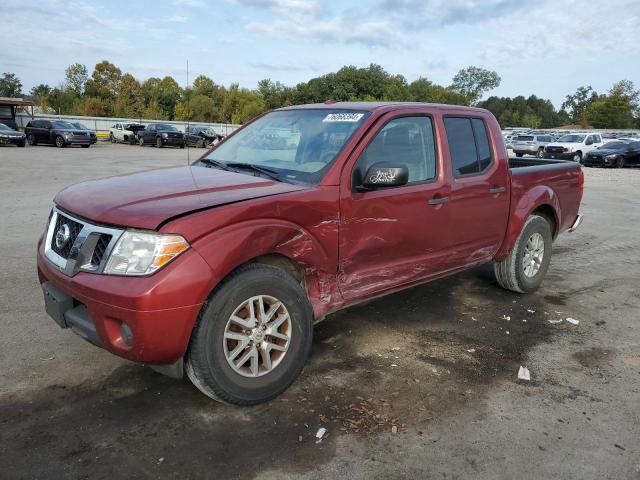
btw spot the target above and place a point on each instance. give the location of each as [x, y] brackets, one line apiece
[530, 311]
[524, 374]
[555, 321]
[573, 321]
[505, 317]
[320, 434]
[471, 350]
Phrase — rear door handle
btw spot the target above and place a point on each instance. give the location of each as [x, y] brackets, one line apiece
[495, 190]
[438, 200]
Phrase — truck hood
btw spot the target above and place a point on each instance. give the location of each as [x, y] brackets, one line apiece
[565, 145]
[147, 199]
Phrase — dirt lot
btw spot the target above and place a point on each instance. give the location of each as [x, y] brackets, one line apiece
[436, 364]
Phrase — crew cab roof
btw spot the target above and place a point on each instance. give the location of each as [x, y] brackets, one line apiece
[377, 106]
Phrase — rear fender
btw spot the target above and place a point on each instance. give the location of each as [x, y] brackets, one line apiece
[533, 199]
[232, 246]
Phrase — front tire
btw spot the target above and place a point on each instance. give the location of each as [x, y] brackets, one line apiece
[112, 138]
[243, 354]
[526, 265]
[59, 142]
[540, 153]
[620, 162]
[22, 143]
[159, 142]
[85, 146]
[577, 157]
[31, 139]
[141, 142]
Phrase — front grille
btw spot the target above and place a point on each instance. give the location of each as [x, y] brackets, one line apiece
[554, 149]
[101, 248]
[61, 244]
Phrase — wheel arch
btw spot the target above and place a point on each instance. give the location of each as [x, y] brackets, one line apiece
[277, 243]
[539, 200]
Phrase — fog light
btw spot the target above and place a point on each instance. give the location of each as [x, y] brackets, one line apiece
[127, 334]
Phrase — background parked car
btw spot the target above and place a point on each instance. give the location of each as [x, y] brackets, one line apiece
[531, 145]
[573, 146]
[200, 136]
[125, 132]
[92, 133]
[9, 136]
[614, 154]
[56, 132]
[161, 135]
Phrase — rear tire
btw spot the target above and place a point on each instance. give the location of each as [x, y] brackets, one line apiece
[22, 143]
[516, 272]
[141, 142]
[85, 146]
[211, 351]
[112, 138]
[31, 138]
[200, 144]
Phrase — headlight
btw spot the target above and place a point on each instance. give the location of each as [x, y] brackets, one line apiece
[142, 253]
[67, 134]
[611, 157]
[165, 135]
[567, 149]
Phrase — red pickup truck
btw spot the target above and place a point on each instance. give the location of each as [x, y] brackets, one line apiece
[219, 269]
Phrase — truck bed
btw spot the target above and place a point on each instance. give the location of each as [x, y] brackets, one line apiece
[530, 165]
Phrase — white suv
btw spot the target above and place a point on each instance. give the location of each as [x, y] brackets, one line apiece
[532, 144]
[573, 146]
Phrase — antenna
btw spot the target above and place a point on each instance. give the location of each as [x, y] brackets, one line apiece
[186, 132]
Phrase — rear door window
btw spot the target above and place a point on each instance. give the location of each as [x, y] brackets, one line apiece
[468, 145]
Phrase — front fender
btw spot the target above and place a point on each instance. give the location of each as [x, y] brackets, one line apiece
[228, 248]
[528, 202]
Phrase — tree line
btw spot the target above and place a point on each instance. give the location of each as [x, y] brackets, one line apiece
[110, 92]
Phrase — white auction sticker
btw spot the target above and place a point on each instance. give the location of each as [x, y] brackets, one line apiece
[343, 117]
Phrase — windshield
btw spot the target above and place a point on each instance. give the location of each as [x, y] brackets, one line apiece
[4, 127]
[572, 138]
[80, 126]
[165, 127]
[300, 145]
[66, 125]
[524, 138]
[614, 146]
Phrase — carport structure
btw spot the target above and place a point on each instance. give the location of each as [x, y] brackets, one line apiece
[8, 108]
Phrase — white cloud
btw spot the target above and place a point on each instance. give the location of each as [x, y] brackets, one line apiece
[178, 18]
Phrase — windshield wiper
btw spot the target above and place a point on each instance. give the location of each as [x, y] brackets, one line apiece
[215, 164]
[269, 172]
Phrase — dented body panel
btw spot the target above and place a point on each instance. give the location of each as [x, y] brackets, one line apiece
[343, 244]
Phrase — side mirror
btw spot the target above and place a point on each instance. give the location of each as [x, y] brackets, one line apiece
[589, 142]
[385, 176]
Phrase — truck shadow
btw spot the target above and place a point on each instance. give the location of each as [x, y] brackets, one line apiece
[396, 363]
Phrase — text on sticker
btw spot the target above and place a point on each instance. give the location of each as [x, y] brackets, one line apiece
[343, 117]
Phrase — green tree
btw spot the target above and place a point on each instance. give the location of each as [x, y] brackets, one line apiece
[130, 98]
[617, 109]
[39, 94]
[473, 82]
[576, 105]
[61, 100]
[104, 81]
[76, 77]
[10, 85]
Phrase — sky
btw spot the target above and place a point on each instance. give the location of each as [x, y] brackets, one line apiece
[544, 47]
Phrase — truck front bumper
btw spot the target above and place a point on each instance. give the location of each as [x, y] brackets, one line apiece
[143, 319]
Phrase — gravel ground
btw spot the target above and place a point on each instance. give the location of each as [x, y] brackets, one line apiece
[420, 384]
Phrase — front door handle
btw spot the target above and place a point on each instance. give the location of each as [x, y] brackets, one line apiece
[495, 190]
[438, 200]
